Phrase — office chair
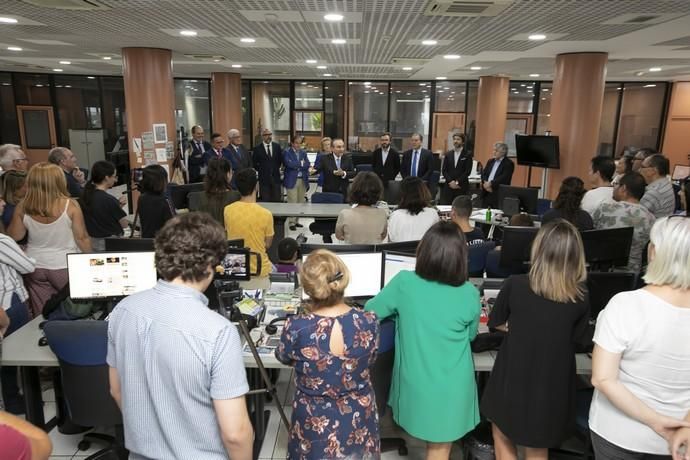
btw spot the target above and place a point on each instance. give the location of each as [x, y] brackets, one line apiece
[433, 183]
[364, 167]
[325, 226]
[392, 192]
[81, 348]
[381, 374]
[493, 266]
[543, 205]
[477, 254]
[194, 199]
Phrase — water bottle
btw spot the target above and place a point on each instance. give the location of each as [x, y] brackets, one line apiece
[488, 215]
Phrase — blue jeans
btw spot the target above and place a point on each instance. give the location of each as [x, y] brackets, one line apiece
[19, 316]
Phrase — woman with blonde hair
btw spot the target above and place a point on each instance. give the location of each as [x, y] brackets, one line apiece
[641, 359]
[331, 347]
[530, 396]
[55, 226]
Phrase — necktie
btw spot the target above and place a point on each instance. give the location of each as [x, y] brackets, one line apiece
[268, 149]
[414, 164]
[219, 153]
[199, 147]
[337, 162]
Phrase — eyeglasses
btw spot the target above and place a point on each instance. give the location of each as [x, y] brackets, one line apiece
[21, 159]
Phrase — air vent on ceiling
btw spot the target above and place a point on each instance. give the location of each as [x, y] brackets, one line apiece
[82, 5]
[642, 19]
[467, 8]
[206, 57]
[409, 61]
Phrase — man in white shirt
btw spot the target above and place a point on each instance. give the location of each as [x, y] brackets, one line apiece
[601, 173]
[386, 160]
[659, 197]
[456, 169]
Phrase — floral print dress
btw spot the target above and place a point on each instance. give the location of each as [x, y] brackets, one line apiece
[334, 410]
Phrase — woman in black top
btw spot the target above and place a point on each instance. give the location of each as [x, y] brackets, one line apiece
[567, 205]
[154, 208]
[103, 214]
[217, 193]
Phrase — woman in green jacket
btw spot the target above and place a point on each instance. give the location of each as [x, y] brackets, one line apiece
[433, 392]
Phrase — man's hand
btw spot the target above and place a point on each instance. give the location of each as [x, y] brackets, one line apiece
[312, 170]
[453, 184]
[338, 172]
[487, 186]
[78, 174]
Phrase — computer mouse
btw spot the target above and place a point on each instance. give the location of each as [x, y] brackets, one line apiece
[43, 341]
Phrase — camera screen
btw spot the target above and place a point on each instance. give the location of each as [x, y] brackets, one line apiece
[235, 265]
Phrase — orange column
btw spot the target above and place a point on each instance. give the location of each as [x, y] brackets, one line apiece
[150, 100]
[226, 102]
[576, 104]
[492, 106]
[676, 145]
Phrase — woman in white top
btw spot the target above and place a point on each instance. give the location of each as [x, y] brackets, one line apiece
[414, 215]
[641, 359]
[55, 225]
[364, 223]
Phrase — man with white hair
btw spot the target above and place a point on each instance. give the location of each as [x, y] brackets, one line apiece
[498, 171]
[242, 157]
[12, 158]
[65, 159]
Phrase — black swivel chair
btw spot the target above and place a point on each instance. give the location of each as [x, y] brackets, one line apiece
[81, 348]
[392, 192]
[325, 226]
[381, 373]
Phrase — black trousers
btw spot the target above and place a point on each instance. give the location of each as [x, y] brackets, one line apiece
[448, 194]
[605, 450]
[271, 192]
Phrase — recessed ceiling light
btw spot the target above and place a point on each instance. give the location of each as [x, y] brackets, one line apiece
[422, 84]
[537, 37]
[333, 17]
[310, 61]
[65, 62]
[321, 67]
[327, 75]
[4, 20]
[68, 86]
[439, 91]
[655, 69]
[451, 56]
[247, 40]
[216, 60]
[107, 58]
[192, 81]
[429, 42]
[367, 83]
[236, 66]
[57, 70]
[408, 94]
[441, 78]
[338, 41]
[545, 90]
[543, 98]
[188, 33]
[366, 92]
[14, 48]
[475, 67]
[650, 86]
[38, 85]
[523, 85]
[530, 87]
[407, 68]
[534, 75]
[91, 78]
[397, 90]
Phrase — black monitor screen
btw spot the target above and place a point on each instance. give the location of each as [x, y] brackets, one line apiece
[527, 197]
[179, 194]
[541, 151]
[603, 286]
[516, 247]
[608, 247]
[307, 248]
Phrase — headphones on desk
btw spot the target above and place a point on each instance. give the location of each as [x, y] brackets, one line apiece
[271, 327]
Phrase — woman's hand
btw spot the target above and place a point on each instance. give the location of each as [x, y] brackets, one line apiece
[666, 427]
[678, 444]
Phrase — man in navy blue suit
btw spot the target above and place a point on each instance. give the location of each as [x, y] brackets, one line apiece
[417, 161]
[241, 157]
[197, 147]
[218, 151]
[268, 159]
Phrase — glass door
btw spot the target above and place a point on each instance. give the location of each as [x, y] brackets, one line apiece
[37, 131]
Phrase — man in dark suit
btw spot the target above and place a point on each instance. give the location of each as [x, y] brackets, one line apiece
[267, 159]
[195, 154]
[243, 159]
[417, 161]
[457, 166]
[498, 171]
[218, 151]
[337, 169]
[386, 160]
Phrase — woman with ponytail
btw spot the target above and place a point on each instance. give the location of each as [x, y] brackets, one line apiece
[103, 212]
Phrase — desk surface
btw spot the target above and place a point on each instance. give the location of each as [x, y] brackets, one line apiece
[304, 209]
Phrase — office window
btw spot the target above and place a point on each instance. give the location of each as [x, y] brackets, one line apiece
[521, 97]
[78, 114]
[640, 115]
[32, 89]
[271, 109]
[450, 96]
[410, 105]
[544, 115]
[308, 95]
[9, 127]
[471, 115]
[192, 105]
[368, 115]
[246, 118]
[114, 117]
[609, 112]
[334, 114]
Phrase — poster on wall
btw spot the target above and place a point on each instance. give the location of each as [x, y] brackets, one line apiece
[161, 155]
[160, 133]
[170, 150]
[147, 140]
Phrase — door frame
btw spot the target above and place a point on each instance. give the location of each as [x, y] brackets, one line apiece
[51, 127]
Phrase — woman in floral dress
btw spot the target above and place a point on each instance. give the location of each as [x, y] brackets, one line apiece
[331, 348]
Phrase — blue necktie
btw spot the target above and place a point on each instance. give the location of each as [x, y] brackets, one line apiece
[337, 162]
[414, 164]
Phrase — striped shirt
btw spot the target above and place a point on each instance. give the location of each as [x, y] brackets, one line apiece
[659, 198]
[13, 264]
[173, 356]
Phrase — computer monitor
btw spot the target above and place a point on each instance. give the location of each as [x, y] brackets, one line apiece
[516, 247]
[405, 247]
[234, 266]
[528, 198]
[365, 273]
[607, 248]
[541, 151]
[129, 244]
[306, 248]
[179, 193]
[394, 262]
[236, 243]
[680, 172]
[602, 286]
[107, 275]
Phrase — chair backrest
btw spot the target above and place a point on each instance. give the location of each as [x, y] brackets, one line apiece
[327, 197]
[194, 199]
[476, 254]
[392, 192]
[382, 369]
[81, 348]
[543, 205]
[364, 167]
